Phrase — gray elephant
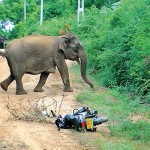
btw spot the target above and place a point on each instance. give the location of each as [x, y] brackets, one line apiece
[38, 54]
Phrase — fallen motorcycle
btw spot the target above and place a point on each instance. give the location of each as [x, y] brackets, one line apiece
[83, 119]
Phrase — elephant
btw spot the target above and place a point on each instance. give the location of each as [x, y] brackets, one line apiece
[40, 54]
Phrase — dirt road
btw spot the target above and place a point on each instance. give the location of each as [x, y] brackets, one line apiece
[26, 135]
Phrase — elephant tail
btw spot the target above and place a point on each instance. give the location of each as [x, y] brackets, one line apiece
[2, 53]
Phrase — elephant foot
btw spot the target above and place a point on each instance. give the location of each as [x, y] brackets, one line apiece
[21, 92]
[38, 89]
[4, 86]
[68, 89]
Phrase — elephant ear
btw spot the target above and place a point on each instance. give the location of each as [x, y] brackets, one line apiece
[63, 42]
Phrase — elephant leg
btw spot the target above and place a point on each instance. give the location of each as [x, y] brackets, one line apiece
[41, 82]
[19, 86]
[18, 71]
[4, 84]
[63, 69]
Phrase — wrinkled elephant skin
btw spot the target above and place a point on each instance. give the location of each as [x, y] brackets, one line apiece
[38, 54]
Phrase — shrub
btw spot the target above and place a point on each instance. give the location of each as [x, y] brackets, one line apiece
[118, 45]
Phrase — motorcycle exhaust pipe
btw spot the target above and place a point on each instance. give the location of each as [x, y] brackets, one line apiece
[99, 120]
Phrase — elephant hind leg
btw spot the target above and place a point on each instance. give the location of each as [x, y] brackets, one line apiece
[41, 82]
[18, 72]
[4, 84]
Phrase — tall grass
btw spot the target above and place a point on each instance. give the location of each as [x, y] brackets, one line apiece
[126, 132]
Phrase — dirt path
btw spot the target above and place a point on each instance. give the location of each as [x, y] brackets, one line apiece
[27, 135]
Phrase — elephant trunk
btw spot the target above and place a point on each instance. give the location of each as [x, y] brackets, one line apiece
[83, 58]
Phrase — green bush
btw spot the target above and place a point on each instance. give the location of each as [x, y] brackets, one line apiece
[49, 27]
[118, 43]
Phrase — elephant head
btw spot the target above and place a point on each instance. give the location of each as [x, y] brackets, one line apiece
[73, 50]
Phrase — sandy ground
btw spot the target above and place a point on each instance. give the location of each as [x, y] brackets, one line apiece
[18, 134]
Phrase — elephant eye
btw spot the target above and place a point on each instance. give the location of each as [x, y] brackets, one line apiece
[76, 50]
[78, 46]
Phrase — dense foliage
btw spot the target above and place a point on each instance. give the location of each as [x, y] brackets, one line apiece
[116, 37]
[118, 43]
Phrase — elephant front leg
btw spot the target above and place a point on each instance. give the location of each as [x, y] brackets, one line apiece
[66, 82]
[41, 82]
[63, 69]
